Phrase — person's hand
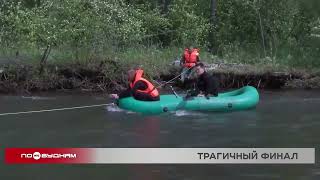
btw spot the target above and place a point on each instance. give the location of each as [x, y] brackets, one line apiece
[188, 95]
[200, 94]
[114, 96]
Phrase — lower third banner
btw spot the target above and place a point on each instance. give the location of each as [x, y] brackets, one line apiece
[160, 155]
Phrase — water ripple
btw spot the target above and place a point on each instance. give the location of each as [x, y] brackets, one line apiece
[38, 98]
[187, 113]
[114, 108]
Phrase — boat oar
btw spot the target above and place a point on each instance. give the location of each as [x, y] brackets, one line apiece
[174, 92]
[166, 82]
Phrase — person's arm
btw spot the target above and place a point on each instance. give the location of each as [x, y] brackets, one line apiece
[139, 85]
[198, 59]
[182, 60]
[125, 93]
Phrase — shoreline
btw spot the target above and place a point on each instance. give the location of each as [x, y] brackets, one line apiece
[99, 77]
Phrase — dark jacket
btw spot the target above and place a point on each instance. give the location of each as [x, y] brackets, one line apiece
[206, 83]
[139, 85]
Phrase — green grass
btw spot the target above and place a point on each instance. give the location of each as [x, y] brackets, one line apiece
[158, 60]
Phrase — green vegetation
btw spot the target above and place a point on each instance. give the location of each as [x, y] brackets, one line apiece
[153, 33]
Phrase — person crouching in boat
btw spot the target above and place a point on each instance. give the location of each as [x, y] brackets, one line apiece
[206, 85]
[140, 88]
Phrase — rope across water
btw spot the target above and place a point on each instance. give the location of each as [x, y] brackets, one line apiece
[57, 109]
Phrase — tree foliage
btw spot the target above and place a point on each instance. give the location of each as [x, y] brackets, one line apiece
[268, 25]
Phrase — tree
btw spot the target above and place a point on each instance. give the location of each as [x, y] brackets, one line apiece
[213, 9]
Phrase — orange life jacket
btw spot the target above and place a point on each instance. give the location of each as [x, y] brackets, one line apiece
[190, 58]
[151, 90]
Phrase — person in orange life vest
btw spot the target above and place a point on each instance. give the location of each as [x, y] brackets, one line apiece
[189, 59]
[139, 88]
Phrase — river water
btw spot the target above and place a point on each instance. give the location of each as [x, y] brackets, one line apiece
[285, 119]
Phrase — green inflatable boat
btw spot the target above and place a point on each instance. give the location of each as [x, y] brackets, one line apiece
[241, 99]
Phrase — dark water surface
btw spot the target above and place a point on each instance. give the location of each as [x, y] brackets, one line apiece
[285, 119]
